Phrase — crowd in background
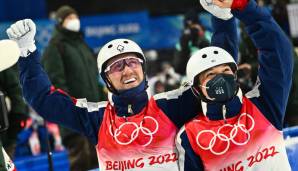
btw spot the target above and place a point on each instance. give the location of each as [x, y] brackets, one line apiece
[166, 71]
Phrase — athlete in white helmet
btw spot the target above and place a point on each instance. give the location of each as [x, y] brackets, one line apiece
[236, 131]
[133, 130]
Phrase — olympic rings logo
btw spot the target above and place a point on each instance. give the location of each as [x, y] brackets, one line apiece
[135, 133]
[226, 138]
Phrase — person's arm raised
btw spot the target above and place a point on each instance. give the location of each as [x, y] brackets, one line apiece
[52, 104]
[275, 56]
[224, 26]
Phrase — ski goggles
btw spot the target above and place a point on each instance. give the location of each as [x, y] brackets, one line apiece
[119, 65]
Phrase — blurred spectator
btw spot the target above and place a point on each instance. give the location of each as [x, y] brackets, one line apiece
[172, 79]
[159, 87]
[248, 63]
[9, 85]
[280, 14]
[152, 61]
[193, 38]
[5, 162]
[33, 139]
[291, 118]
[71, 66]
[165, 80]
[244, 77]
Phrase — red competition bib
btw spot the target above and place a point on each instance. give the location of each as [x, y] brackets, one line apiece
[145, 141]
[247, 141]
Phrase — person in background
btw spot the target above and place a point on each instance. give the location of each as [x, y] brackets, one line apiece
[236, 131]
[167, 79]
[280, 14]
[6, 163]
[247, 62]
[18, 110]
[71, 66]
[34, 138]
[193, 38]
[291, 118]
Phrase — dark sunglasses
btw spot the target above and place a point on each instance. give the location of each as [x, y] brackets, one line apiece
[119, 65]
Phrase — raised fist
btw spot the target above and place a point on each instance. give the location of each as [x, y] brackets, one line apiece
[23, 32]
[220, 9]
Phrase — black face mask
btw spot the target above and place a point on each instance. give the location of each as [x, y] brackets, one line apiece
[222, 87]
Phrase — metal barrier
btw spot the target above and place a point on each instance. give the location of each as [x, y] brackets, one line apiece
[40, 162]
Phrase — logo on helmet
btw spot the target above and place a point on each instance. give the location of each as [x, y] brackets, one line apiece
[120, 48]
[209, 2]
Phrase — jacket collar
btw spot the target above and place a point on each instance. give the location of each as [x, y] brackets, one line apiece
[219, 111]
[130, 102]
[67, 34]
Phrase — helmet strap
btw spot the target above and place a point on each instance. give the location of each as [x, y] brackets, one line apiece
[197, 91]
[199, 94]
[110, 86]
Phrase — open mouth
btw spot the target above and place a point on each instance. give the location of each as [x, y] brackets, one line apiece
[131, 80]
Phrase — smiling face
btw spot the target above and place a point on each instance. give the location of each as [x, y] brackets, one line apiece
[207, 75]
[125, 71]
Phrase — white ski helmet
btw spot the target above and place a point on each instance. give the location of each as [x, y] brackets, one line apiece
[112, 49]
[117, 47]
[207, 58]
